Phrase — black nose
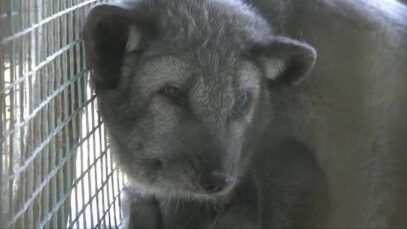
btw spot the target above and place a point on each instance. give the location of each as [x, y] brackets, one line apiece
[214, 182]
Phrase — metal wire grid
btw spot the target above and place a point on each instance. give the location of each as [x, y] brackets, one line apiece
[55, 165]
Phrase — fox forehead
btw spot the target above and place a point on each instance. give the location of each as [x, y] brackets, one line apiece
[210, 24]
[190, 75]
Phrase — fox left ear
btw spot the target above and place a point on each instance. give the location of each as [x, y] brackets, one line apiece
[284, 60]
[110, 33]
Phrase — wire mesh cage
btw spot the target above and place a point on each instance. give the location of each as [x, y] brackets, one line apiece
[55, 166]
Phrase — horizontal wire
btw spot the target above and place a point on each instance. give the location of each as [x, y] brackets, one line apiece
[43, 104]
[60, 203]
[50, 176]
[42, 64]
[108, 208]
[43, 144]
[89, 168]
[93, 197]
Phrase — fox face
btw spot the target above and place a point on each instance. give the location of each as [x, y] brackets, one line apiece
[184, 89]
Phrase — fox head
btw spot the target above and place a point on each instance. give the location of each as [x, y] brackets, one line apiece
[184, 88]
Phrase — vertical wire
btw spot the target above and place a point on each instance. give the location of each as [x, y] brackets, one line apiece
[38, 168]
[28, 217]
[91, 166]
[64, 71]
[52, 114]
[19, 86]
[65, 143]
[106, 155]
[97, 156]
[2, 108]
[34, 16]
[70, 143]
[11, 114]
[3, 160]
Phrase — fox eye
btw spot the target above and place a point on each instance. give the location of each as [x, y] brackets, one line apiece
[241, 104]
[174, 93]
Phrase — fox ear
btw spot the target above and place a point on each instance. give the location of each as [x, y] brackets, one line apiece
[111, 32]
[284, 60]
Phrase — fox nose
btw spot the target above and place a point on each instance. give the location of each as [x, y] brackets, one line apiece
[214, 182]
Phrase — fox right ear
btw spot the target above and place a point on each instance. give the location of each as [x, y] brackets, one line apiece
[285, 61]
[110, 32]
